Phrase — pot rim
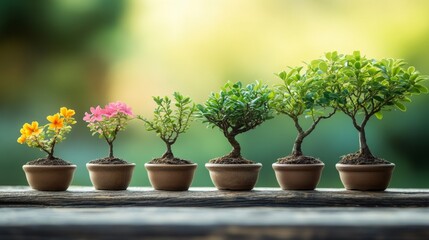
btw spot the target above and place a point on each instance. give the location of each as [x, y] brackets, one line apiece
[49, 166]
[109, 165]
[170, 165]
[387, 165]
[233, 165]
[297, 165]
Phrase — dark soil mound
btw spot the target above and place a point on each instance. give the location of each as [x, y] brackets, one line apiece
[108, 160]
[45, 161]
[173, 161]
[357, 159]
[230, 160]
[291, 159]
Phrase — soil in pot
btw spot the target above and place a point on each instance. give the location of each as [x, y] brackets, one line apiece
[298, 172]
[359, 159]
[170, 174]
[49, 174]
[364, 173]
[292, 159]
[231, 160]
[166, 160]
[108, 160]
[237, 174]
[110, 173]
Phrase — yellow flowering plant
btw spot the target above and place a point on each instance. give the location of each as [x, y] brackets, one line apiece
[47, 136]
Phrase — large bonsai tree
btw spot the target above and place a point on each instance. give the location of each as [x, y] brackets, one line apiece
[170, 122]
[235, 110]
[367, 87]
[303, 93]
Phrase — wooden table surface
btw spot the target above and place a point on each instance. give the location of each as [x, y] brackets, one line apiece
[205, 213]
[210, 197]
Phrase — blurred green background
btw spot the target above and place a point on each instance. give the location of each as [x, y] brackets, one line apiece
[81, 53]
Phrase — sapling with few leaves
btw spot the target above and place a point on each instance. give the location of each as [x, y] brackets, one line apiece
[302, 94]
[169, 122]
[367, 87]
[235, 110]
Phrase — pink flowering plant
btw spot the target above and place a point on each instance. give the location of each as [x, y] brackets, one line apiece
[108, 121]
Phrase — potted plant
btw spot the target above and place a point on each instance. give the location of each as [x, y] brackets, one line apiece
[234, 110]
[109, 173]
[301, 94]
[49, 173]
[168, 172]
[365, 88]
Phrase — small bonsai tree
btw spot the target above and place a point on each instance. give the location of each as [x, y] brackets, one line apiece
[367, 87]
[107, 122]
[46, 137]
[234, 110]
[303, 93]
[169, 123]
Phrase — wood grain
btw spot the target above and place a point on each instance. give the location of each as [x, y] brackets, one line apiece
[210, 197]
[212, 223]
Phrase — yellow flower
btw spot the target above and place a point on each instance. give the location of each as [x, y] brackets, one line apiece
[22, 139]
[32, 129]
[56, 121]
[67, 113]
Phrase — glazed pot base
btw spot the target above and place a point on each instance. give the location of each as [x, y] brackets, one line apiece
[235, 177]
[110, 176]
[298, 176]
[365, 177]
[170, 177]
[49, 177]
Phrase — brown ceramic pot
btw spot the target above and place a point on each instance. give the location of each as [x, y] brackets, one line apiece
[170, 177]
[110, 176]
[49, 177]
[237, 177]
[298, 176]
[365, 177]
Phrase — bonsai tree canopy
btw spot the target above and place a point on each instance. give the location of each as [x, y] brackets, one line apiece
[235, 110]
[303, 93]
[365, 87]
[170, 122]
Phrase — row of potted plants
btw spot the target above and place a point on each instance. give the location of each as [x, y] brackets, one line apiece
[352, 84]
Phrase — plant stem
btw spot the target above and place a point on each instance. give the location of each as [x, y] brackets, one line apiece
[363, 146]
[51, 153]
[236, 148]
[110, 149]
[296, 150]
[168, 154]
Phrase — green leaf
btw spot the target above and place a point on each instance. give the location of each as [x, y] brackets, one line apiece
[379, 115]
[378, 98]
[282, 75]
[356, 54]
[401, 106]
[406, 99]
[422, 88]
[323, 66]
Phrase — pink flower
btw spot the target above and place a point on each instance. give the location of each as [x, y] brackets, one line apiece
[96, 114]
[113, 108]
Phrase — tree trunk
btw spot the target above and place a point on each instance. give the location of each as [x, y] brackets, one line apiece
[168, 154]
[296, 150]
[364, 149]
[110, 149]
[236, 149]
[51, 153]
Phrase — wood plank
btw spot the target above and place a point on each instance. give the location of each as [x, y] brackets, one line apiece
[210, 197]
[212, 223]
